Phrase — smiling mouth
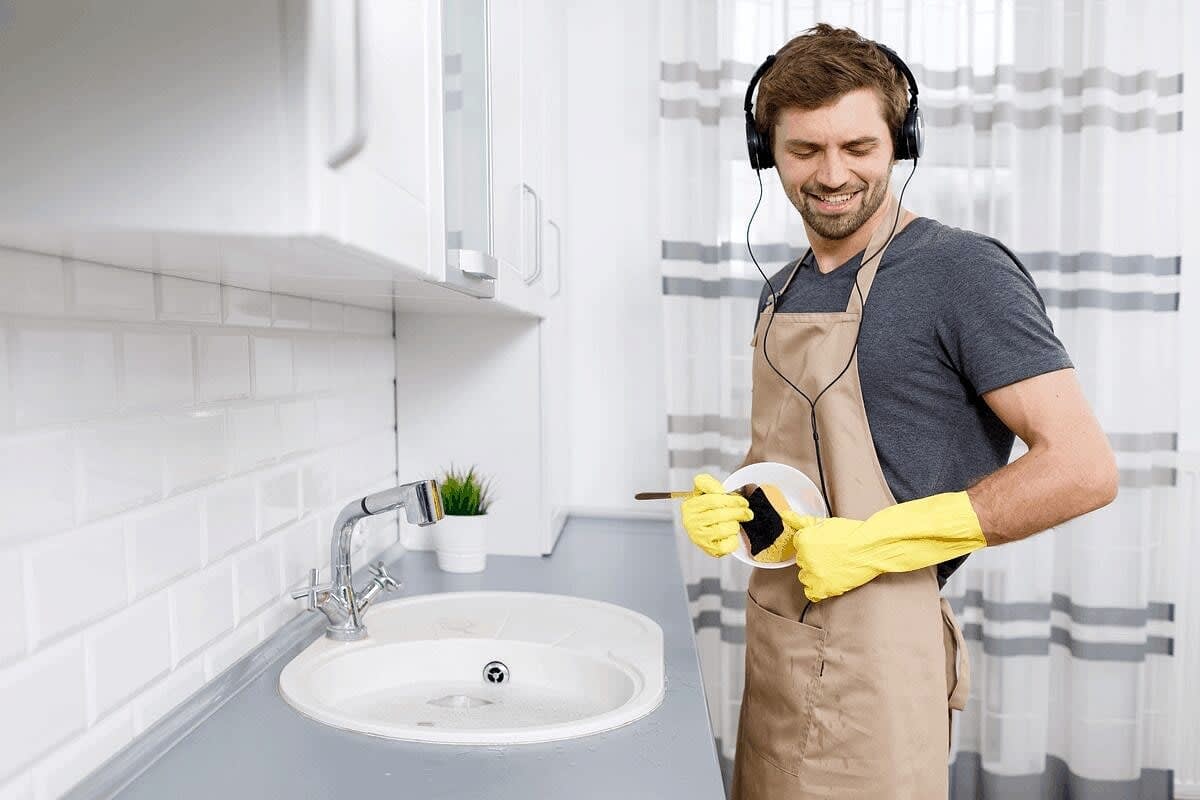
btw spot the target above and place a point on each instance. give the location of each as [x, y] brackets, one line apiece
[834, 201]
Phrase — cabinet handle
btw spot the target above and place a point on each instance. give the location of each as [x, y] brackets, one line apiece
[358, 136]
[537, 210]
[558, 255]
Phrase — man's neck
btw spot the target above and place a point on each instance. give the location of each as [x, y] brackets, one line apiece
[832, 253]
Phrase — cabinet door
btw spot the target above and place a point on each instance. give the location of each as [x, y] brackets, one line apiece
[504, 49]
[387, 190]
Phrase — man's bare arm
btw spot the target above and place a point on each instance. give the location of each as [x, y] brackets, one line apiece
[1068, 471]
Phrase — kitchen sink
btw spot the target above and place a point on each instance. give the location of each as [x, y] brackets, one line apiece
[480, 668]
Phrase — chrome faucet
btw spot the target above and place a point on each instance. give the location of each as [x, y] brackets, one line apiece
[338, 600]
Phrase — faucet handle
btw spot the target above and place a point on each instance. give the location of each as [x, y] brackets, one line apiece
[312, 590]
[382, 577]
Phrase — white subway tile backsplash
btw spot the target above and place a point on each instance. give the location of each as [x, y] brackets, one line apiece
[290, 312]
[180, 684]
[278, 614]
[313, 358]
[224, 369]
[137, 460]
[128, 651]
[47, 687]
[37, 484]
[58, 773]
[31, 283]
[347, 367]
[92, 557]
[229, 649]
[272, 366]
[12, 600]
[166, 543]
[230, 511]
[62, 374]
[254, 436]
[246, 307]
[278, 498]
[96, 290]
[201, 609]
[195, 449]
[333, 427]
[297, 426]
[120, 466]
[183, 300]
[299, 552]
[158, 370]
[256, 573]
[316, 484]
[368, 320]
[326, 316]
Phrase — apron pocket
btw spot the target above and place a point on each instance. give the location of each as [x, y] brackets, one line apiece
[784, 660]
[958, 666]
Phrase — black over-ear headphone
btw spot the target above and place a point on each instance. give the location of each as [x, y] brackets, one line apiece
[909, 140]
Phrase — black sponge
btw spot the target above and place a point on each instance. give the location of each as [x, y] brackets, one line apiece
[766, 526]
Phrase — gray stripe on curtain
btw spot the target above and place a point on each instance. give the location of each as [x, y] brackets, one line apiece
[731, 633]
[1052, 116]
[1053, 298]
[740, 427]
[969, 779]
[775, 252]
[1132, 652]
[1035, 261]
[712, 585]
[953, 116]
[1008, 646]
[949, 80]
[993, 611]
[1084, 615]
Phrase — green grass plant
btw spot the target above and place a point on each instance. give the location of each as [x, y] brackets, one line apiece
[464, 494]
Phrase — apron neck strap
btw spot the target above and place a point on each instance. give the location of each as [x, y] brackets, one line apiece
[876, 247]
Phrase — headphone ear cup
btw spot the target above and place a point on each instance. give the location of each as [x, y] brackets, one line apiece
[911, 138]
[761, 156]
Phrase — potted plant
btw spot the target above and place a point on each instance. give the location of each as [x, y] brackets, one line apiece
[460, 537]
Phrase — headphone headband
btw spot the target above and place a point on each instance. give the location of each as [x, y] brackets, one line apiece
[909, 140]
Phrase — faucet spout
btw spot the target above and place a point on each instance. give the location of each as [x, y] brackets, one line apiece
[422, 504]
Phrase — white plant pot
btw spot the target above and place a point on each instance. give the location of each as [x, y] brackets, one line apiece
[461, 543]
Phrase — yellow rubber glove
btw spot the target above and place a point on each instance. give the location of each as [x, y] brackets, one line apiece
[836, 555]
[711, 516]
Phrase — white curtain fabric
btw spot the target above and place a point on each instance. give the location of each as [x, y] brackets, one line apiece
[1053, 125]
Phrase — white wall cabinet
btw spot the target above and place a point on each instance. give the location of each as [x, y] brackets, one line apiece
[502, 395]
[287, 145]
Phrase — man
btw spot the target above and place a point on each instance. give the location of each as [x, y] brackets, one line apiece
[853, 659]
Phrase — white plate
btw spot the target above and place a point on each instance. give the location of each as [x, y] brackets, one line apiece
[801, 493]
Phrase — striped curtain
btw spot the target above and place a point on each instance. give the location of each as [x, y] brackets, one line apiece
[1053, 125]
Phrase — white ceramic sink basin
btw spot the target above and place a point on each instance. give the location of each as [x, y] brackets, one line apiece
[484, 668]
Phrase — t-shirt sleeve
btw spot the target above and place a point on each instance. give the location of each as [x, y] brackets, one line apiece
[992, 325]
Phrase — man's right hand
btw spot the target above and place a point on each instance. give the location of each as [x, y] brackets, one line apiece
[711, 516]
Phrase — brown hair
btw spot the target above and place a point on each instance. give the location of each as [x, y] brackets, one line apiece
[820, 65]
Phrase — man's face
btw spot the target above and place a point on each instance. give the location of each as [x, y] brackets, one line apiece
[835, 162]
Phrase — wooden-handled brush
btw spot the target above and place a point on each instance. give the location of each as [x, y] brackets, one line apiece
[766, 501]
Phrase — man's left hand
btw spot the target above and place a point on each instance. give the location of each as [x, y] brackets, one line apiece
[836, 554]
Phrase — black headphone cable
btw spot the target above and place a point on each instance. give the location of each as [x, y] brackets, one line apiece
[862, 303]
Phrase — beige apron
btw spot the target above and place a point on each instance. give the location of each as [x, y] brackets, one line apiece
[854, 701]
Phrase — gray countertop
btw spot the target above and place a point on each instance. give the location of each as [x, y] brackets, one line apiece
[255, 745]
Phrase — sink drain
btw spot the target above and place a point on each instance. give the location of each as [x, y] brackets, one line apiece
[495, 672]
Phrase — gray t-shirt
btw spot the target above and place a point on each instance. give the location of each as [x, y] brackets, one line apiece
[948, 318]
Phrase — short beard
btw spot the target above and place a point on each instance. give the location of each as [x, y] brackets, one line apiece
[842, 225]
